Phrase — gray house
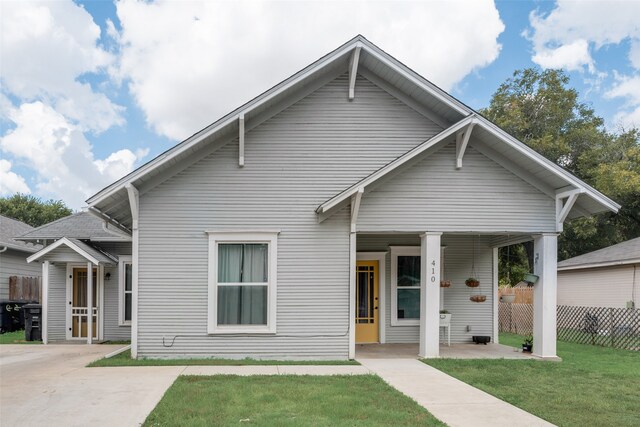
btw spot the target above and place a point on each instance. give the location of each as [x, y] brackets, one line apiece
[326, 212]
[14, 253]
[73, 246]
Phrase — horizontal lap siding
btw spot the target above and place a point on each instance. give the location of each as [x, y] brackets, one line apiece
[111, 329]
[433, 195]
[14, 263]
[599, 287]
[57, 302]
[459, 256]
[293, 162]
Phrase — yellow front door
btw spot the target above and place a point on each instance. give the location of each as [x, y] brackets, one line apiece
[367, 302]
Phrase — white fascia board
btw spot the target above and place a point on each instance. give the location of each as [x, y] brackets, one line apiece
[548, 164]
[66, 242]
[394, 165]
[600, 264]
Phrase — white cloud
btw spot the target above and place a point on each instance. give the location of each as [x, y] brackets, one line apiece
[572, 56]
[11, 182]
[627, 88]
[563, 37]
[206, 58]
[61, 155]
[46, 47]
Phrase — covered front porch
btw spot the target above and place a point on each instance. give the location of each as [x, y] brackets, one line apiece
[73, 300]
[399, 311]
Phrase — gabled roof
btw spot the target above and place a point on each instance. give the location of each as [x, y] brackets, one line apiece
[10, 229]
[81, 225]
[490, 131]
[623, 253]
[379, 67]
[84, 250]
[112, 200]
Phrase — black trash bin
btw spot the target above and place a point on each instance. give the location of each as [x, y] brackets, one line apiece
[11, 316]
[32, 316]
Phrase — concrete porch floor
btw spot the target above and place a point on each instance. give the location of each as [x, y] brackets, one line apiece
[455, 351]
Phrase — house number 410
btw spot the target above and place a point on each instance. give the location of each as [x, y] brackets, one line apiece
[433, 271]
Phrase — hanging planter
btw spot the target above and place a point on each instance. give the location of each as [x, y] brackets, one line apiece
[472, 283]
[478, 298]
[445, 283]
[508, 298]
[530, 278]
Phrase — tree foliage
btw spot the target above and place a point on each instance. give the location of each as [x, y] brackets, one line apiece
[33, 210]
[543, 111]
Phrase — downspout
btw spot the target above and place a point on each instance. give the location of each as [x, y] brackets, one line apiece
[134, 202]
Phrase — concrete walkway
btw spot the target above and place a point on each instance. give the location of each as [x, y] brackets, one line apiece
[277, 370]
[448, 399]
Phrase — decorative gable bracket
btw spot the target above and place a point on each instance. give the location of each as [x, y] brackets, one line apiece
[565, 199]
[462, 140]
[353, 71]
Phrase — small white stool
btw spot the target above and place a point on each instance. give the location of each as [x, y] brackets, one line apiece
[445, 322]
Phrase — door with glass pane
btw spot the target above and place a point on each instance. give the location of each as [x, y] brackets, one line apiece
[78, 304]
[367, 302]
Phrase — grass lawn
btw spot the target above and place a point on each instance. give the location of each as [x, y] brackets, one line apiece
[124, 359]
[15, 337]
[359, 400]
[594, 386]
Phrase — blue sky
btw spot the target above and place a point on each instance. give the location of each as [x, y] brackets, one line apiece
[93, 89]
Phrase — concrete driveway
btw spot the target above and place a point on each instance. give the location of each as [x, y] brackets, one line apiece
[49, 386]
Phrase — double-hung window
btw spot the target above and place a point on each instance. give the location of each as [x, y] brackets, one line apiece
[125, 285]
[242, 282]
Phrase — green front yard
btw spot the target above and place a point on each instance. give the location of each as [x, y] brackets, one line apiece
[360, 400]
[124, 359]
[16, 337]
[594, 386]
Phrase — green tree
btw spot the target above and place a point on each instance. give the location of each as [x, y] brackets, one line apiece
[32, 210]
[543, 111]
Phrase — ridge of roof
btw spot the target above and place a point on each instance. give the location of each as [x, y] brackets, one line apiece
[81, 225]
[358, 41]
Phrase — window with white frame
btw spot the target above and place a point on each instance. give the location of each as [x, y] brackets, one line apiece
[405, 284]
[125, 284]
[242, 282]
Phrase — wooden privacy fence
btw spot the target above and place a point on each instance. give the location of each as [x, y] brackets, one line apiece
[24, 289]
[515, 318]
[609, 327]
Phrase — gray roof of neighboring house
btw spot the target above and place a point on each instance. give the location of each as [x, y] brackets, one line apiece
[623, 253]
[10, 229]
[82, 225]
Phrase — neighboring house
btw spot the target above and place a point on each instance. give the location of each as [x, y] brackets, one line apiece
[325, 212]
[608, 277]
[71, 243]
[14, 253]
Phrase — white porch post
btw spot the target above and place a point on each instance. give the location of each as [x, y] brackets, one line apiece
[430, 294]
[352, 295]
[545, 249]
[89, 303]
[44, 300]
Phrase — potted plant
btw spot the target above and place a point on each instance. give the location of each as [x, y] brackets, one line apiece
[445, 317]
[445, 283]
[508, 298]
[530, 278]
[527, 345]
[478, 298]
[472, 283]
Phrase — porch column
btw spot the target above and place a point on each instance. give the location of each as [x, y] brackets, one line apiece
[89, 303]
[44, 301]
[430, 294]
[545, 250]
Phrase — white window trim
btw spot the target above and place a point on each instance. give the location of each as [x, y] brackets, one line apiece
[395, 252]
[122, 260]
[411, 251]
[217, 237]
